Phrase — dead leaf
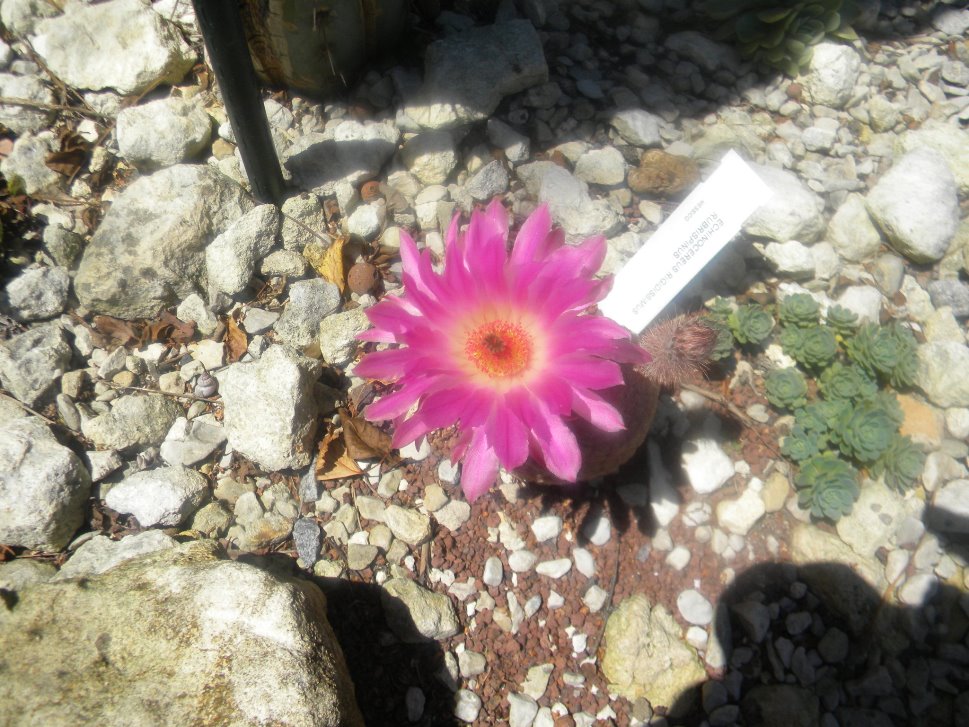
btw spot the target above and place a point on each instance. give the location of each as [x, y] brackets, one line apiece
[363, 439]
[331, 264]
[169, 329]
[116, 330]
[334, 463]
[236, 342]
[71, 156]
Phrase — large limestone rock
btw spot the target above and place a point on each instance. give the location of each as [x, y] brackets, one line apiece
[646, 656]
[122, 45]
[177, 637]
[149, 251]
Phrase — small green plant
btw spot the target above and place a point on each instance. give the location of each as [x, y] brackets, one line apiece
[841, 320]
[801, 444]
[846, 381]
[781, 34]
[814, 347]
[717, 316]
[887, 353]
[800, 310]
[786, 388]
[827, 485]
[866, 432]
[750, 324]
[901, 464]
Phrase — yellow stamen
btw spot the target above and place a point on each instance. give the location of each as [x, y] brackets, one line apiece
[499, 349]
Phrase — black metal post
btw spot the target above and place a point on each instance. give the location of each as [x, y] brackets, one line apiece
[225, 40]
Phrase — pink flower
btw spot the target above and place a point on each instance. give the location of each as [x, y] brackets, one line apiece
[500, 344]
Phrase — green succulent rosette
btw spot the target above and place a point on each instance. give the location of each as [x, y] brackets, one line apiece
[786, 388]
[827, 485]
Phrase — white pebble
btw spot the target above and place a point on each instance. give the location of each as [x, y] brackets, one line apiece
[554, 568]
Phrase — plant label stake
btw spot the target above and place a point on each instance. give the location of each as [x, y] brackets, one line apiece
[689, 239]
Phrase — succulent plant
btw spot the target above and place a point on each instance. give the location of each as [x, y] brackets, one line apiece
[723, 348]
[866, 432]
[750, 324]
[827, 485]
[813, 419]
[801, 443]
[887, 352]
[814, 347]
[841, 320]
[901, 464]
[786, 388]
[846, 381]
[799, 309]
[781, 33]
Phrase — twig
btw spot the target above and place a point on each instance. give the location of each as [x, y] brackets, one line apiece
[722, 401]
[11, 101]
[192, 397]
[607, 611]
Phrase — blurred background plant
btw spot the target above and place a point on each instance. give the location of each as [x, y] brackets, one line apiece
[781, 34]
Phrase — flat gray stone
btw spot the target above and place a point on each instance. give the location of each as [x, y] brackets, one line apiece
[25, 166]
[852, 231]
[310, 302]
[231, 257]
[416, 614]
[190, 442]
[793, 212]
[134, 421]
[163, 132]
[165, 496]
[23, 119]
[338, 335]
[31, 362]
[100, 554]
[941, 373]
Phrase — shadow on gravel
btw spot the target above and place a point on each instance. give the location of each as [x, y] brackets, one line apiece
[807, 641]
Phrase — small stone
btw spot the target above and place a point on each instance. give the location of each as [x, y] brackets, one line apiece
[536, 680]
[918, 589]
[414, 699]
[307, 539]
[467, 705]
[434, 498]
[739, 516]
[37, 293]
[546, 527]
[521, 710]
[493, 572]
[408, 525]
[522, 561]
[471, 663]
[584, 562]
[597, 528]
[416, 614]
[678, 558]
[694, 607]
[164, 496]
[360, 556]
[554, 568]
[707, 466]
[754, 618]
[453, 515]
[595, 598]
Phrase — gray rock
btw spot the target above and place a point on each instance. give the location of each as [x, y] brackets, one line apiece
[350, 151]
[102, 463]
[430, 156]
[189, 442]
[888, 271]
[645, 656]
[941, 373]
[211, 626]
[852, 232]
[471, 663]
[694, 607]
[739, 516]
[338, 333]
[165, 496]
[193, 308]
[950, 292]
[23, 119]
[231, 257]
[707, 466]
[134, 421]
[493, 572]
[791, 259]
[794, 212]
[521, 710]
[100, 554]
[884, 115]
[283, 263]
[310, 302]
[122, 45]
[15, 575]
[162, 133]
[43, 487]
[31, 362]
[951, 20]
[360, 555]
[37, 293]
[597, 528]
[453, 515]
[604, 166]
[569, 202]
[466, 75]
[832, 73]
[490, 180]
[781, 704]
[270, 408]
[546, 527]
[62, 245]
[917, 590]
[876, 515]
[951, 141]
[304, 220]
[862, 300]
[516, 146]
[754, 619]
[25, 168]
[366, 220]
[212, 520]
[916, 205]
[407, 524]
[416, 614]
[307, 538]
[700, 49]
[637, 127]
[522, 561]
[951, 508]
[554, 568]
[149, 251]
[467, 705]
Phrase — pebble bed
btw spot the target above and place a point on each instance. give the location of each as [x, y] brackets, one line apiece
[687, 588]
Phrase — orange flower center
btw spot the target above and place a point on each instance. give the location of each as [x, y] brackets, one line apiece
[499, 349]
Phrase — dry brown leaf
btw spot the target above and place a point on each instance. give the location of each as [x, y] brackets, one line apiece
[334, 463]
[331, 265]
[116, 330]
[71, 156]
[236, 343]
[363, 439]
[169, 329]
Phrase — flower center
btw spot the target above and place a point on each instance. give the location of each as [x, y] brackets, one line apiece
[499, 349]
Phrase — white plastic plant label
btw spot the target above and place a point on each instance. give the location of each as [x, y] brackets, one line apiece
[689, 239]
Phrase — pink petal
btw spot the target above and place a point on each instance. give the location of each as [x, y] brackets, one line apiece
[509, 437]
[556, 443]
[588, 372]
[530, 241]
[496, 211]
[593, 408]
[396, 404]
[388, 365]
[479, 468]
